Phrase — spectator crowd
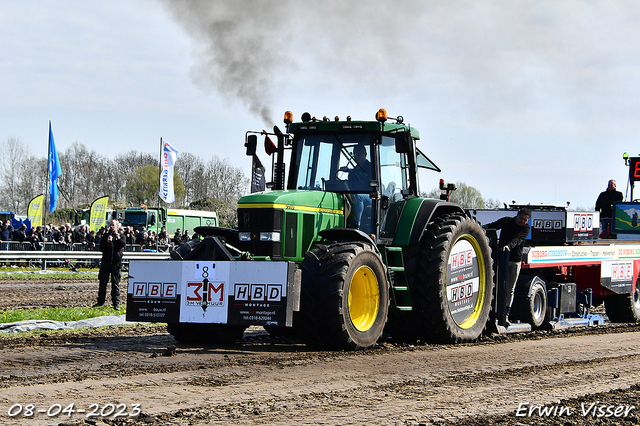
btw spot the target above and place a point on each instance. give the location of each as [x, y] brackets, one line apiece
[64, 237]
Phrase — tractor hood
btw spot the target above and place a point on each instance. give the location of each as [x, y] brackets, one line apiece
[311, 201]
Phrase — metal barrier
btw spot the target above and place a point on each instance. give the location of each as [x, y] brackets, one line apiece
[15, 245]
[65, 257]
[49, 246]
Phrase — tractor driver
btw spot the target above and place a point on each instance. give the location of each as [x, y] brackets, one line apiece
[359, 177]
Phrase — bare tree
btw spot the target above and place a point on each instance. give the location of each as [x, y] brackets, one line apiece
[191, 168]
[35, 181]
[465, 195]
[19, 171]
[87, 175]
[103, 179]
[123, 165]
[493, 204]
[216, 186]
[72, 180]
[142, 186]
[225, 182]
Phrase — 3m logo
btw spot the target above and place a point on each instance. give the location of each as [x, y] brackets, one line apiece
[258, 292]
[155, 290]
[622, 271]
[583, 222]
[196, 293]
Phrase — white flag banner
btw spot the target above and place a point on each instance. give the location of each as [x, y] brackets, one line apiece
[169, 155]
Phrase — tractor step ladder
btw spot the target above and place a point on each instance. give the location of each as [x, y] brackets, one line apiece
[399, 288]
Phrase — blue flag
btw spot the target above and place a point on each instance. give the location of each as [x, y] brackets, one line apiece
[54, 172]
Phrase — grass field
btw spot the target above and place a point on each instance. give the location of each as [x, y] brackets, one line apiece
[58, 314]
[54, 314]
[14, 272]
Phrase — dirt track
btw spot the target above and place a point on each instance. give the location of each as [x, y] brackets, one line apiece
[266, 380]
[39, 293]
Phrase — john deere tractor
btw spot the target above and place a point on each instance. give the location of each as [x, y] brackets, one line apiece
[339, 250]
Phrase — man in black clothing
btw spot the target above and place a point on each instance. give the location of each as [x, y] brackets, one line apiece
[177, 237]
[112, 246]
[514, 231]
[604, 204]
[18, 234]
[141, 238]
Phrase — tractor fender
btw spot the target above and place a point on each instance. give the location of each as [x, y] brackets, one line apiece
[525, 285]
[229, 235]
[346, 234]
[416, 214]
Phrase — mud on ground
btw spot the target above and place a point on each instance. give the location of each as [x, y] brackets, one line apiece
[573, 377]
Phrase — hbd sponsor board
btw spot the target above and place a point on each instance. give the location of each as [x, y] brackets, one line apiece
[210, 292]
[583, 226]
[549, 226]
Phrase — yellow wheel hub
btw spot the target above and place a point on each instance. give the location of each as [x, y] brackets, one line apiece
[364, 298]
[474, 316]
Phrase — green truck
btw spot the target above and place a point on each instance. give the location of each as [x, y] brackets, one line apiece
[340, 250]
[153, 219]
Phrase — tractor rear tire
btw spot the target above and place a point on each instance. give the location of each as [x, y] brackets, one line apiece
[205, 333]
[345, 296]
[623, 307]
[451, 278]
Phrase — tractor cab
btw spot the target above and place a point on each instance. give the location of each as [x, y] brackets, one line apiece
[372, 164]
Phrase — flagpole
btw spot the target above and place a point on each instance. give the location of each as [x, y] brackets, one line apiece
[159, 173]
[159, 176]
[158, 194]
[47, 184]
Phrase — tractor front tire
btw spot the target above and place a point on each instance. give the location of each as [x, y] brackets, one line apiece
[532, 308]
[623, 307]
[345, 296]
[452, 280]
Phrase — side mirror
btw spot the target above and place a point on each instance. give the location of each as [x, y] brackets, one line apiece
[403, 142]
[384, 202]
[152, 220]
[251, 144]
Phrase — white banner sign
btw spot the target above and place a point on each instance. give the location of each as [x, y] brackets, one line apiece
[169, 155]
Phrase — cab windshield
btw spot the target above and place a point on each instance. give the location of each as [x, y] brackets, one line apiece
[135, 219]
[334, 162]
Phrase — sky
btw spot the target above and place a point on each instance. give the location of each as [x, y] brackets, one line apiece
[527, 101]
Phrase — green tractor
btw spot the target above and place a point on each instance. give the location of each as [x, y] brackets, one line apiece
[360, 253]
